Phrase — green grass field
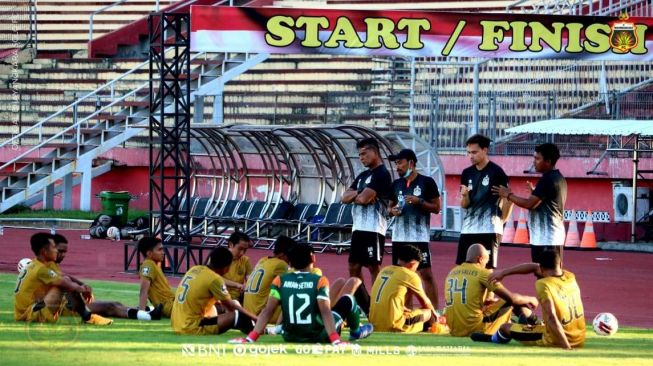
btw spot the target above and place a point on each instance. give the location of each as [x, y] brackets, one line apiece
[129, 342]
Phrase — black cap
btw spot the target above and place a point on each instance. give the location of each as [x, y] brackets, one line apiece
[407, 154]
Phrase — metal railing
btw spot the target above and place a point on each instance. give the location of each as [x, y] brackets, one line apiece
[21, 19]
[110, 6]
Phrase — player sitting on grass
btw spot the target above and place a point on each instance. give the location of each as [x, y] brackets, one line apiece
[154, 285]
[258, 284]
[39, 294]
[306, 308]
[388, 312]
[104, 308]
[241, 267]
[465, 292]
[562, 307]
[199, 290]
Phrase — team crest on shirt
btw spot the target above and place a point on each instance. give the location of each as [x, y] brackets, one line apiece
[417, 191]
[145, 271]
[486, 180]
[224, 289]
[53, 274]
[368, 180]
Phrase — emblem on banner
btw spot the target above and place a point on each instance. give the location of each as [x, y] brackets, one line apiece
[623, 37]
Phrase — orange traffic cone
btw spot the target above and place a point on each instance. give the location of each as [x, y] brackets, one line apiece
[572, 240]
[509, 231]
[589, 239]
[521, 234]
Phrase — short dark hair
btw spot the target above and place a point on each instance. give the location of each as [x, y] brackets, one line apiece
[220, 257]
[59, 239]
[236, 237]
[549, 259]
[368, 142]
[147, 243]
[482, 141]
[549, 152]
[407, 253]
[300, 256]
[283, 244]
[39, 241]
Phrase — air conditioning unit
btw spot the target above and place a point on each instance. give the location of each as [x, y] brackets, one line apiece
[622, 201]
[454, 218]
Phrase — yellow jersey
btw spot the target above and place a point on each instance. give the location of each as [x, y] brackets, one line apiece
[32, 285]
[465, 289]
[160, 291]
[196, 294]
[257, 288]
[388, 297]
[564, 295]
[238, 270]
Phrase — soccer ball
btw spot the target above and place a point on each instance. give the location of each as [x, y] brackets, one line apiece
[113, 233]
[22, 264]
[605, 324]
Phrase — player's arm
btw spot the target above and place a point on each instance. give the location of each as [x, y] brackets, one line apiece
[142, 296]
[233, 284]
[524, 268]
[506, 209]
[329, 324]
[515, 298]
[426, 206]
[504, 192]
[552, 322]
[367, 196]
[349, 196]
[392, 207]
[261, 322]
[464, 196]
[65, 283]
[232, 305]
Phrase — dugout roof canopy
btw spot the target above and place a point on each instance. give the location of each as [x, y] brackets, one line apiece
[569, 126]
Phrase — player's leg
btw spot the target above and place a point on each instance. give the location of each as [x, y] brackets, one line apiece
[226, 321]
[347, 309]
[335, 288]
[426, 273]
[356, 254]
[417, 320]
[117, 310]
[493, 242]
[464, 242]
[375, 255]
[78, 305]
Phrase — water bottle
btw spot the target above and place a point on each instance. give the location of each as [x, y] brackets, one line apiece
[53, 230]
[469, 185]
[85, 237]
[2, 230]
[401, 202]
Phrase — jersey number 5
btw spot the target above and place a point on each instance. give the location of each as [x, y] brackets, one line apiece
[182, 296]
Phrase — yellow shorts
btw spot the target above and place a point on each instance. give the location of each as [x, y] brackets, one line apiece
[530, 335]
[413, 321]
[167, 308]
[206, 326]
[39, 313]
[495, 316]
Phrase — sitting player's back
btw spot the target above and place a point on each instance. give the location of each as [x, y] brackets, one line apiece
[564, 293]
[32, 285]
[299, 292]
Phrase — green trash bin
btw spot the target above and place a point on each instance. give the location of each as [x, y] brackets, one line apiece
[116, 204]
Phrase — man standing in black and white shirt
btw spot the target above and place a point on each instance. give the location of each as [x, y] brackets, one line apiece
[369, 193]
[415, 197]
[546, 204]
[485, 212]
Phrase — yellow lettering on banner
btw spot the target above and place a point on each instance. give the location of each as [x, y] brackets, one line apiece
[413, 41]
[279, 32]
[539, 32]
[573, 38]
[518, 36]
[343, 32]
[312, 26]
[492, 34]
[641, 37]
[597, 38]
[380, 28]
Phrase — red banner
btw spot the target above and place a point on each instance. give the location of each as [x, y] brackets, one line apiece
[419, 33]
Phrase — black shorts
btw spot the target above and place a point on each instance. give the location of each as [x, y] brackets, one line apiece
[537, 250]
[366, 248]
[422, 246]
[491, 242]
